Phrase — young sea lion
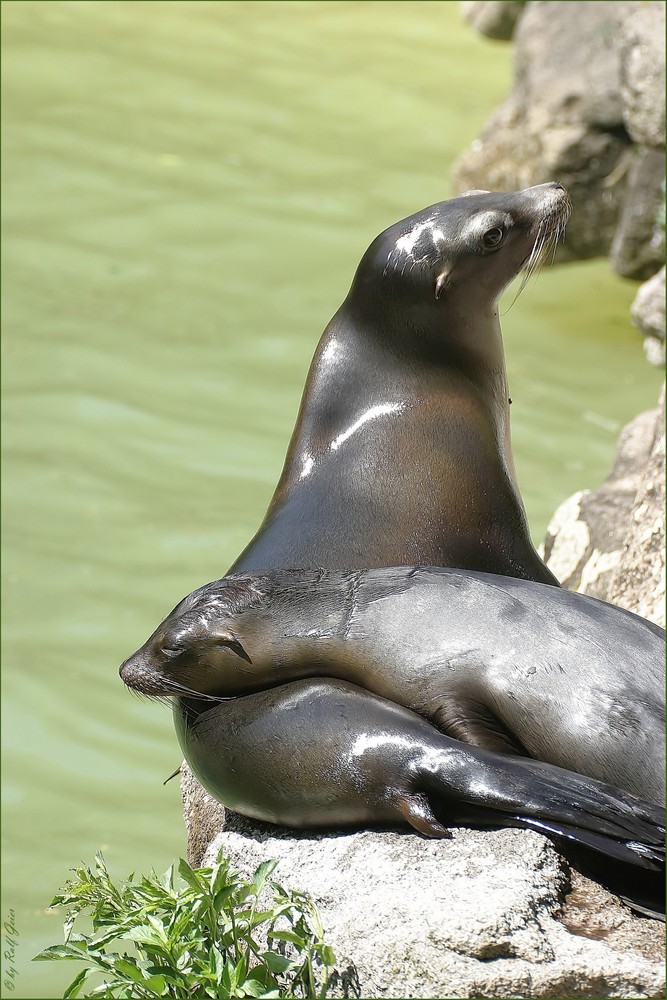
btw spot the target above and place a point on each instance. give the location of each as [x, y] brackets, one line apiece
[496, 662]
[324, 754]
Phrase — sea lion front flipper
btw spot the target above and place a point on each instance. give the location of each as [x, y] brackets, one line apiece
[471, 721]
[416, 810]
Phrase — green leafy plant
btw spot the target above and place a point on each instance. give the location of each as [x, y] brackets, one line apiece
[196, 936]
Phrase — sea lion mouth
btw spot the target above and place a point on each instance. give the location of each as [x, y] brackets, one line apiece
[158, 687]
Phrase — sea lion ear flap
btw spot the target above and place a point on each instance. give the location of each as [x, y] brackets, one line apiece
[229, 639]
[441, 282]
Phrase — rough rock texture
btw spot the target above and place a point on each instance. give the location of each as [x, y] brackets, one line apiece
[204, 815]
[648, 313]
[493, 18]
[643, 74]
[638, 247]
[610, 543]
[563, 119]
[589, 82]
[638, 581]
[479, 915]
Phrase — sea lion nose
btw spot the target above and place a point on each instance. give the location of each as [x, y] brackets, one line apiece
[136, 674]
[548, 188]
[129, 671]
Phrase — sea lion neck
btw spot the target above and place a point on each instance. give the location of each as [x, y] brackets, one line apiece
[418, 330]
[417, 339]
[384, 370]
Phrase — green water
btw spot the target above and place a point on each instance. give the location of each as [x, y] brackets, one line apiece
[188, 189]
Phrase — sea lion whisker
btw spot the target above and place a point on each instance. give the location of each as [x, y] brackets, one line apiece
[535, 259]
[162, 699]
[527, 272]
[183, 690]
[165, 700]
[539, 254]
[188, 692]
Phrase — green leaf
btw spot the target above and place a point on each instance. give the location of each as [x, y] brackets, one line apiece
[189, 876]
[78, 981]
[296, 939]
[229, 979]
[158, 927]
[61, 951]
[221, 875]
[277, 963]
[156, 984]
[167, 880]
[68, 924]
[128, 967]
[226, 896]
[104, 937]
[170, 974]
[100, 863]
[145, 936]
[260, 917]
[262, 874]
[327, 955]
[106, 991]
[254, 988]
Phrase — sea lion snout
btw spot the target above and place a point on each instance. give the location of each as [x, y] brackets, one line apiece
[137, 674]
[550, 196]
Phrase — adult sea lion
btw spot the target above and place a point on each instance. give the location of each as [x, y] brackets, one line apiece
[401, 451]
[499, 663]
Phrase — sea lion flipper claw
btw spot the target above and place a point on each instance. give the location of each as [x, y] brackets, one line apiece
[417, 811]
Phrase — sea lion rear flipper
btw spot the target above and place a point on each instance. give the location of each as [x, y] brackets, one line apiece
[416, 810]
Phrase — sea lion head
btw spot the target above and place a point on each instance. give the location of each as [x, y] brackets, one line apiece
[241, 633]
[474, 244]
[199, 641]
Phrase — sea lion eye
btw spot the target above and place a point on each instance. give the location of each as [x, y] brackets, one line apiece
[492, 238]
[171, 652]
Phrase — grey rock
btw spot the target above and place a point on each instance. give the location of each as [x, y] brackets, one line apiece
[643, 73]
[654, 348]
[493, 18]
[563, 119]
[638, 248]
[638, 581]
[204, 815]
[610, 543]
[648, 313]
[484, 914]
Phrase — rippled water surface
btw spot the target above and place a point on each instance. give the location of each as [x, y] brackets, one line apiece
[188, 189]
